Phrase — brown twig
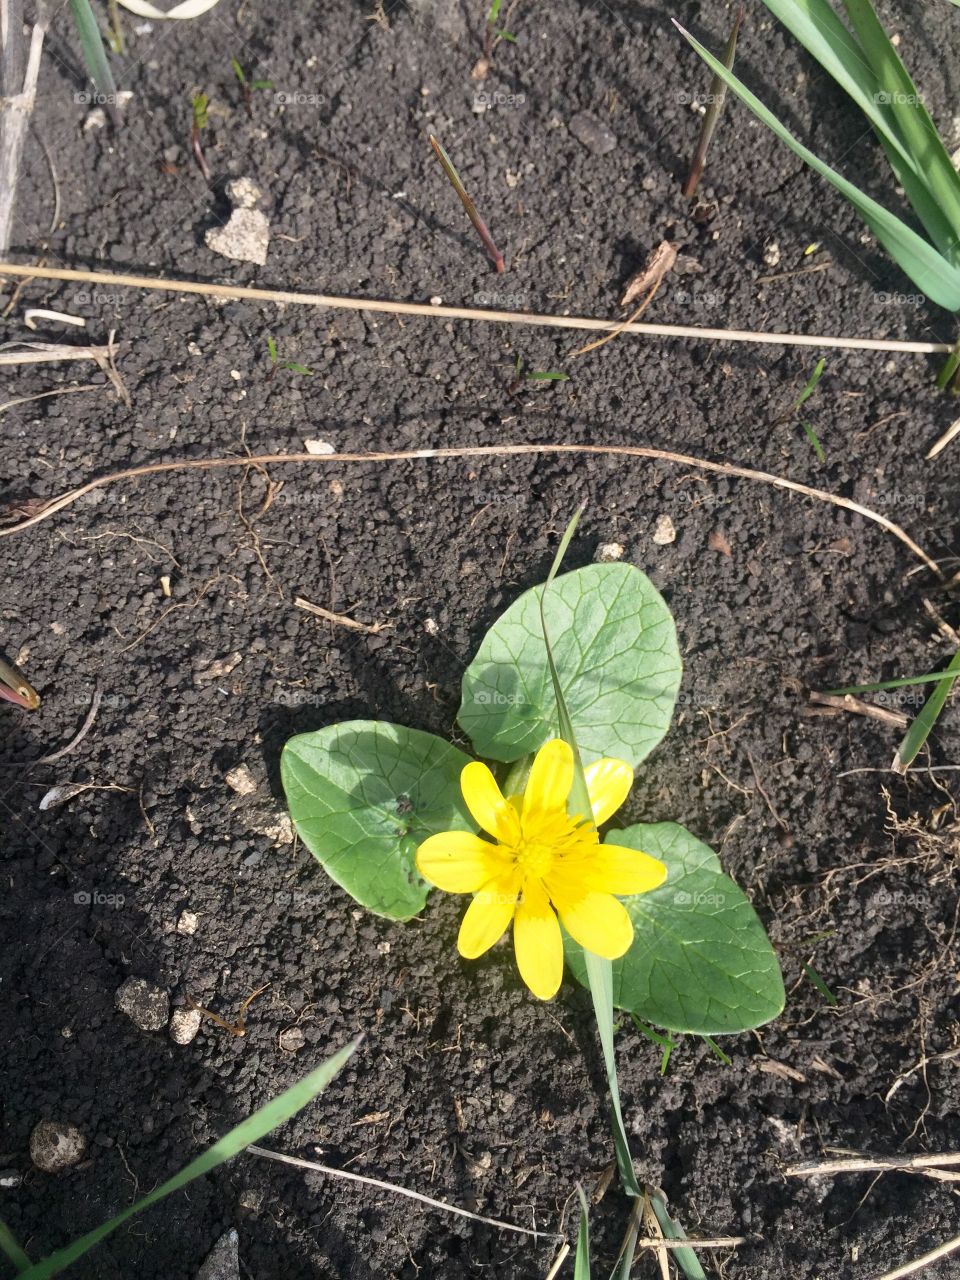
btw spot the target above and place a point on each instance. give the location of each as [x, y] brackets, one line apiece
[340, 619]
[862, 1163]
[238, 1028]
[475, 451]
[240, 292]
[831, 704]
[920, 1264]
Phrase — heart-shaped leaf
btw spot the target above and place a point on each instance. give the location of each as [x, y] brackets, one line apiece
[616, 653]
[701, 961]
[363, 795]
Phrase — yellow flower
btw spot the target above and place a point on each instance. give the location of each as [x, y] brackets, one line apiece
[545, 863]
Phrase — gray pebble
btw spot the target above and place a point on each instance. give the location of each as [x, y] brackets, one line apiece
[144, 1004]
[594, 135]
[56, 1145]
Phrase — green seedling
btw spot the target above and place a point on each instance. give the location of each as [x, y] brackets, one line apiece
[116, 31]
[492, 33]
[863, 60]
[665, 1042]
[718, 92]
[248, 87]
[95, 56]
[251, 1130]
[798, 404]
[277, 363]
[522, 376]
[923, 723]
[471, 208]
[200, 122]
[820, 985]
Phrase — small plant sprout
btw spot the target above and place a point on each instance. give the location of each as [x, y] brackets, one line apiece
[714, 108]
[95, 56]
[521, 376]
[471, 208]
[16, 688]
[801, 400]
[200, 121]
[248, 87]
[493, 33]
[277, 363]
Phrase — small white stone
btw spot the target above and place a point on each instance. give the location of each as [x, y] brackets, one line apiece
[771, 253]
[184, 1025]
[236, 375]
[607, 552]
[292, 1039]
[243, 193]
[95, 119]
[223, 1260]
[664, 531]
[187, 923]
[318, 447]
[244, 238]
[10, 1178]
[241, 780]
[431, 627]
[436, 301]
[146, 1005]
[276, 827]
[56, 1145]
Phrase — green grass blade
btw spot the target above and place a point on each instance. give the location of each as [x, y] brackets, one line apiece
[923, 723]
[599, 971]
[811, 435]
[94, 55]
[252, 1129]
[899, 683]
[812, 381]
[817, 27]
[820, 985]
[933, 274]
[931, 158]
[581, 1265]
[686, 1259]
[11, 1250]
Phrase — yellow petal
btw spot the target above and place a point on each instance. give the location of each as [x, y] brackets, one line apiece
[616, 869]
[487, 805]
[459, 862]
[551, 777]
[488, 916]
[538, 943]
[606, 868]
[600, 923]
[608, 785]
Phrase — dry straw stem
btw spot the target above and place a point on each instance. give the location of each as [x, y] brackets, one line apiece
[474, 451]
[919, 1264]
[238, 292]
[936, 1166]
[314, 1167]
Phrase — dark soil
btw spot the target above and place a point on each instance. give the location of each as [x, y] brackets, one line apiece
[466, 1089]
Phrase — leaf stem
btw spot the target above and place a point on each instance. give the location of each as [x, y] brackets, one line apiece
[457, 184]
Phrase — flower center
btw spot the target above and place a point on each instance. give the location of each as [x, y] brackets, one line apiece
[534, 859]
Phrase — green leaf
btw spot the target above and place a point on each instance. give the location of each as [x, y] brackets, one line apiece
[11, 1249]
[819, 29]
[701, 960]
[363, 795]
[95, 56]
[616, 652]
[250, 1130]
[930, 271]
[581, 1265]
[686, 1259]
[927, 717]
